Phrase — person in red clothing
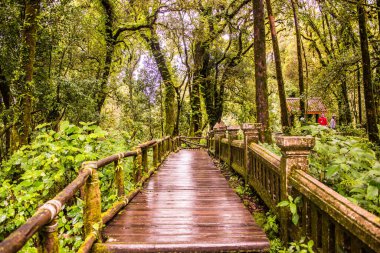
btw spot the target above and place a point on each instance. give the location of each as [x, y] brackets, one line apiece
[322, 120]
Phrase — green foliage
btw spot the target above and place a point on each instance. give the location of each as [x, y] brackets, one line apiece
[37, 172]
[348, 165]
[272, 148]
[270, 225]
[300, 247]
[292, 204]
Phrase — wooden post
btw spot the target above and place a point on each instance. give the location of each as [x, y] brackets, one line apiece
[170, 144]
[92, 212]
[232, 135]
[144, 156]
[210, 141]
[159, 151]
[49, 238]
[137, 164]
[177, 143]
[163, 148]
[295, 151]
[258, 133]
[250, 135]
[220, 133]
[155, 155]
[119, 178]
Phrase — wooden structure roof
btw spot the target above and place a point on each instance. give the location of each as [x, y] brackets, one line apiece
[314, 105]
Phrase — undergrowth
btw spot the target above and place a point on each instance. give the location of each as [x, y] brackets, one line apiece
[347, 164]
[38, 171]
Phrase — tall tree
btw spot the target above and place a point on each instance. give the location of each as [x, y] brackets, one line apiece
[262, 107]
[373, 131]
[169, 87]
[109, 19]
[29, 38]
[6, 96]
[277, 57]
[301, 82]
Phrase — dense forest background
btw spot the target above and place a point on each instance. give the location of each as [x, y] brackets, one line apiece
[84, 79]
[155, 68]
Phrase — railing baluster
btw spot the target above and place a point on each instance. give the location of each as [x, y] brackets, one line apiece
[328, 235]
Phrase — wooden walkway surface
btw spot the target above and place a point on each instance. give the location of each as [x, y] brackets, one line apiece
[187, 206]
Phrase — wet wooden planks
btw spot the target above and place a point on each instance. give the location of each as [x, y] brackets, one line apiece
[187, 206]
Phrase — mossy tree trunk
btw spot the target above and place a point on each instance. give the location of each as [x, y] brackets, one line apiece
[109, 16]
[301, 84]
[277, 57]
[5, 92]
[201, 69]
[29, 38]
[169, 89]
[262, 107]
[373, 132]
[344, 105]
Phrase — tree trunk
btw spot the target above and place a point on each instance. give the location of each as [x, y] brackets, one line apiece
[200, 73]
[262, 107]
[344, 108]
[377, 83]
[299, 57]
[179, 108]
[373, 132]
[169, 90]
[29, 34]
[110, 47]
[277, 57]
[359, 96]
[6, 95]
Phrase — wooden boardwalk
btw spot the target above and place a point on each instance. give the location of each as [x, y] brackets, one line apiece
[187, 206]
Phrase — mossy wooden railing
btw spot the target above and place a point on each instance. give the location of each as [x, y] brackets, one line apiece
[193, 142]
[330, 220]
[44, 221]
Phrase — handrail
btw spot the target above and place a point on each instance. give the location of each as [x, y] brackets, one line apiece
[356, 220]
[147, 144]
[188, 140]
[194, 137]
[326, 217]
[46, 214]
[193, 143]
[237, 144]
[113, 158]
[268, 157]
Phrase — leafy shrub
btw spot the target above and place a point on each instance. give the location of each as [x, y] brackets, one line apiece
[349, 166]
[37, 172]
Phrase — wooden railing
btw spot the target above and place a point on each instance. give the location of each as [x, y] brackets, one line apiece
[330, 220]
[44, 221]
[193, 142]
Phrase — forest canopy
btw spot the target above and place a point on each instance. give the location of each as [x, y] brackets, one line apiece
[169, 67]
[84, 79]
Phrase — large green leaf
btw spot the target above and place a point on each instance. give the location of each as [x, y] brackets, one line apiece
[372, 192]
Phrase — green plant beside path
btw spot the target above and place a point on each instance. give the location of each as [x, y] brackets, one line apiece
[37, 172]
[347, 164]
